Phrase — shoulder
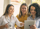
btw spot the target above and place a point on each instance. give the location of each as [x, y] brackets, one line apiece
[38, 18]
[2, 16]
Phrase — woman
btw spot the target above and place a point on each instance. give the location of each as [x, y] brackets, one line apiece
[23, 14]
[34, 11]
[7, 21]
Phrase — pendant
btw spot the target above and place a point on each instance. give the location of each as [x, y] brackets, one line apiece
[9, 25]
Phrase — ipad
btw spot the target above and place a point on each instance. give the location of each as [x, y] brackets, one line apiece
[28, 23]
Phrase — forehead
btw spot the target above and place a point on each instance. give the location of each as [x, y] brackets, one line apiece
[11, 7]
[24, 6]
[32, 7]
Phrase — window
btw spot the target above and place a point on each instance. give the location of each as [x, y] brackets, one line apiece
[17, 4]
[36, 1]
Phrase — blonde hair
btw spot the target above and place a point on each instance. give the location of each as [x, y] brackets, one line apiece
[20, 13]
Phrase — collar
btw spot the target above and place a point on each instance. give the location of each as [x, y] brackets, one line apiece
[32, 18]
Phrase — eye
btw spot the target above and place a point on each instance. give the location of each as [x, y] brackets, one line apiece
[22, 8]
[10, 8]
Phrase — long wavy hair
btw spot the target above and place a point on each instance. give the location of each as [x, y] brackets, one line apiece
[36, 8]
[20, 13]
[7, 8]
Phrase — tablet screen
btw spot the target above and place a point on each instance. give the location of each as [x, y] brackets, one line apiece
[28, 23]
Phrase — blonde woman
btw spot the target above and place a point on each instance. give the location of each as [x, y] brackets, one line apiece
[23, 14]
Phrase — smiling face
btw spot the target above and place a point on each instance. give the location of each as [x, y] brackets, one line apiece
[11, 10]
[32, 10]
[24, 9]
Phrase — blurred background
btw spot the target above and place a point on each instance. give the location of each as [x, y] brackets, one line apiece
[16, 3]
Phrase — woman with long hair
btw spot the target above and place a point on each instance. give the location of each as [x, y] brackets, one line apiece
[23, 14]
[7, 21]
[34, 11]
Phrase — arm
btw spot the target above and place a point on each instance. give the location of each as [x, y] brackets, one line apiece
[1, 23]
[38, 23]
[1, 27]
[4, 26]
[20, 24]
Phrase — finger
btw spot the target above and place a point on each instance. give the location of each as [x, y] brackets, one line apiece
[7, 23]
[30, 26]
[35, 24]
[23, 23]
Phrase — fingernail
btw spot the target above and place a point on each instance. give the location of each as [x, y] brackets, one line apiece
[30, 27]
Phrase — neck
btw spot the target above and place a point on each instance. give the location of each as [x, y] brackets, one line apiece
[23, 14]
[33, 16]
[9, 15]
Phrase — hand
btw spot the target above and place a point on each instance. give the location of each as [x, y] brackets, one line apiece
[6, 25]
[22, 24]
[33, 27]
[18, 27]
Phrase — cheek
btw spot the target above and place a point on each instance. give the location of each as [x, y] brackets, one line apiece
[26, 10]
[21, 9]
[35, 12]
[10, 10]
[13, 10]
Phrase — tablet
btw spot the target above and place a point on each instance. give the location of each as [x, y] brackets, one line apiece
[28, 23]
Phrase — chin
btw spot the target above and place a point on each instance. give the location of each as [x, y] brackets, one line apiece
[12, 14]
[33, 14]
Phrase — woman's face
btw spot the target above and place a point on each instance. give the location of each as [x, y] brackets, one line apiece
[32, 10]
[24, 9]
[11, 10]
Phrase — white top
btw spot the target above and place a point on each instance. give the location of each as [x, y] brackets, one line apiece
[11, 22]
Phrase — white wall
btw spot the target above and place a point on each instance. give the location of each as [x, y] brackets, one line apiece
[6, 2]
[28, 2]
[3, 4]
[1, 7]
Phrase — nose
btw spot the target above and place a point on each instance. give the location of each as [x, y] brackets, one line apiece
[12, 10]
[32, 11]
[24, 9]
